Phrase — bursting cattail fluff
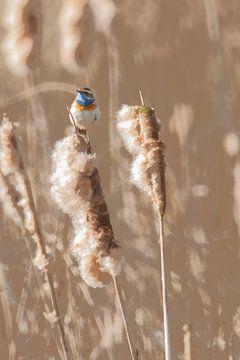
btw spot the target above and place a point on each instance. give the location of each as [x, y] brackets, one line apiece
[140, 129]
[77, 191]
[11, 167]
[20, 44]
[8, 206]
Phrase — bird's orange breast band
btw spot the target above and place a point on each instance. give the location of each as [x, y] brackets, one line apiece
[85, 108]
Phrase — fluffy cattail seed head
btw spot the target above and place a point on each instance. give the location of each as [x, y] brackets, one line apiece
[76, 188]
[140, 129]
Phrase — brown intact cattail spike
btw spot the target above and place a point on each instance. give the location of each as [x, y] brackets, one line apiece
[98, 215]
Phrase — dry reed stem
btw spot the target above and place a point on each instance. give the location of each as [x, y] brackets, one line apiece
[12, 165]
[187, 342]
[164, 291]
[33, 90]
[7, 313]
[126, 326]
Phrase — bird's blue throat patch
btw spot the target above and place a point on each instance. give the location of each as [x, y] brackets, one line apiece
[84, 100]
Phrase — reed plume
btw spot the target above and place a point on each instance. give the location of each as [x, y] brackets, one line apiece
[75, 34]
[18, 193]
[20, 45]
[139, 129]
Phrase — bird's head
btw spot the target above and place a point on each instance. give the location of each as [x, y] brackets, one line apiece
[85, 97]
[86, 92]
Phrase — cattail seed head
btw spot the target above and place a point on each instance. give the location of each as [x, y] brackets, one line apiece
[12, 166]
[7, 154]
[8, 206]
[76, 188]
[140, 129]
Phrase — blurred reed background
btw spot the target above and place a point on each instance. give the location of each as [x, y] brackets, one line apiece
[185, 58]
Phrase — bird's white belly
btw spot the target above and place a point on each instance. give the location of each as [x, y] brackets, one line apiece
[83, 118]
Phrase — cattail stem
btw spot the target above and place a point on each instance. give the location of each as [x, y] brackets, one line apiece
[141, 98]
[59, 322]
[126, 327]
[164, 291]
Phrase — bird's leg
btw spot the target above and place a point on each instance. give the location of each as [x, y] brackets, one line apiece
[87, 137]
[82, 132]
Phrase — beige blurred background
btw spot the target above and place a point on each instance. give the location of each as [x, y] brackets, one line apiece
[184, 55]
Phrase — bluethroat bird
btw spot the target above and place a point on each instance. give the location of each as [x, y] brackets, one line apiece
[84, 109]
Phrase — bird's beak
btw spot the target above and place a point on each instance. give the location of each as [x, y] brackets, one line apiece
[78, 90]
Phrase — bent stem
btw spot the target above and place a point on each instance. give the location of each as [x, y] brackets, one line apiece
[40, 88]
[126, 327]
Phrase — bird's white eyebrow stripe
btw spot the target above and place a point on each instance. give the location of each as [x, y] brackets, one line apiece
[86, 91]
